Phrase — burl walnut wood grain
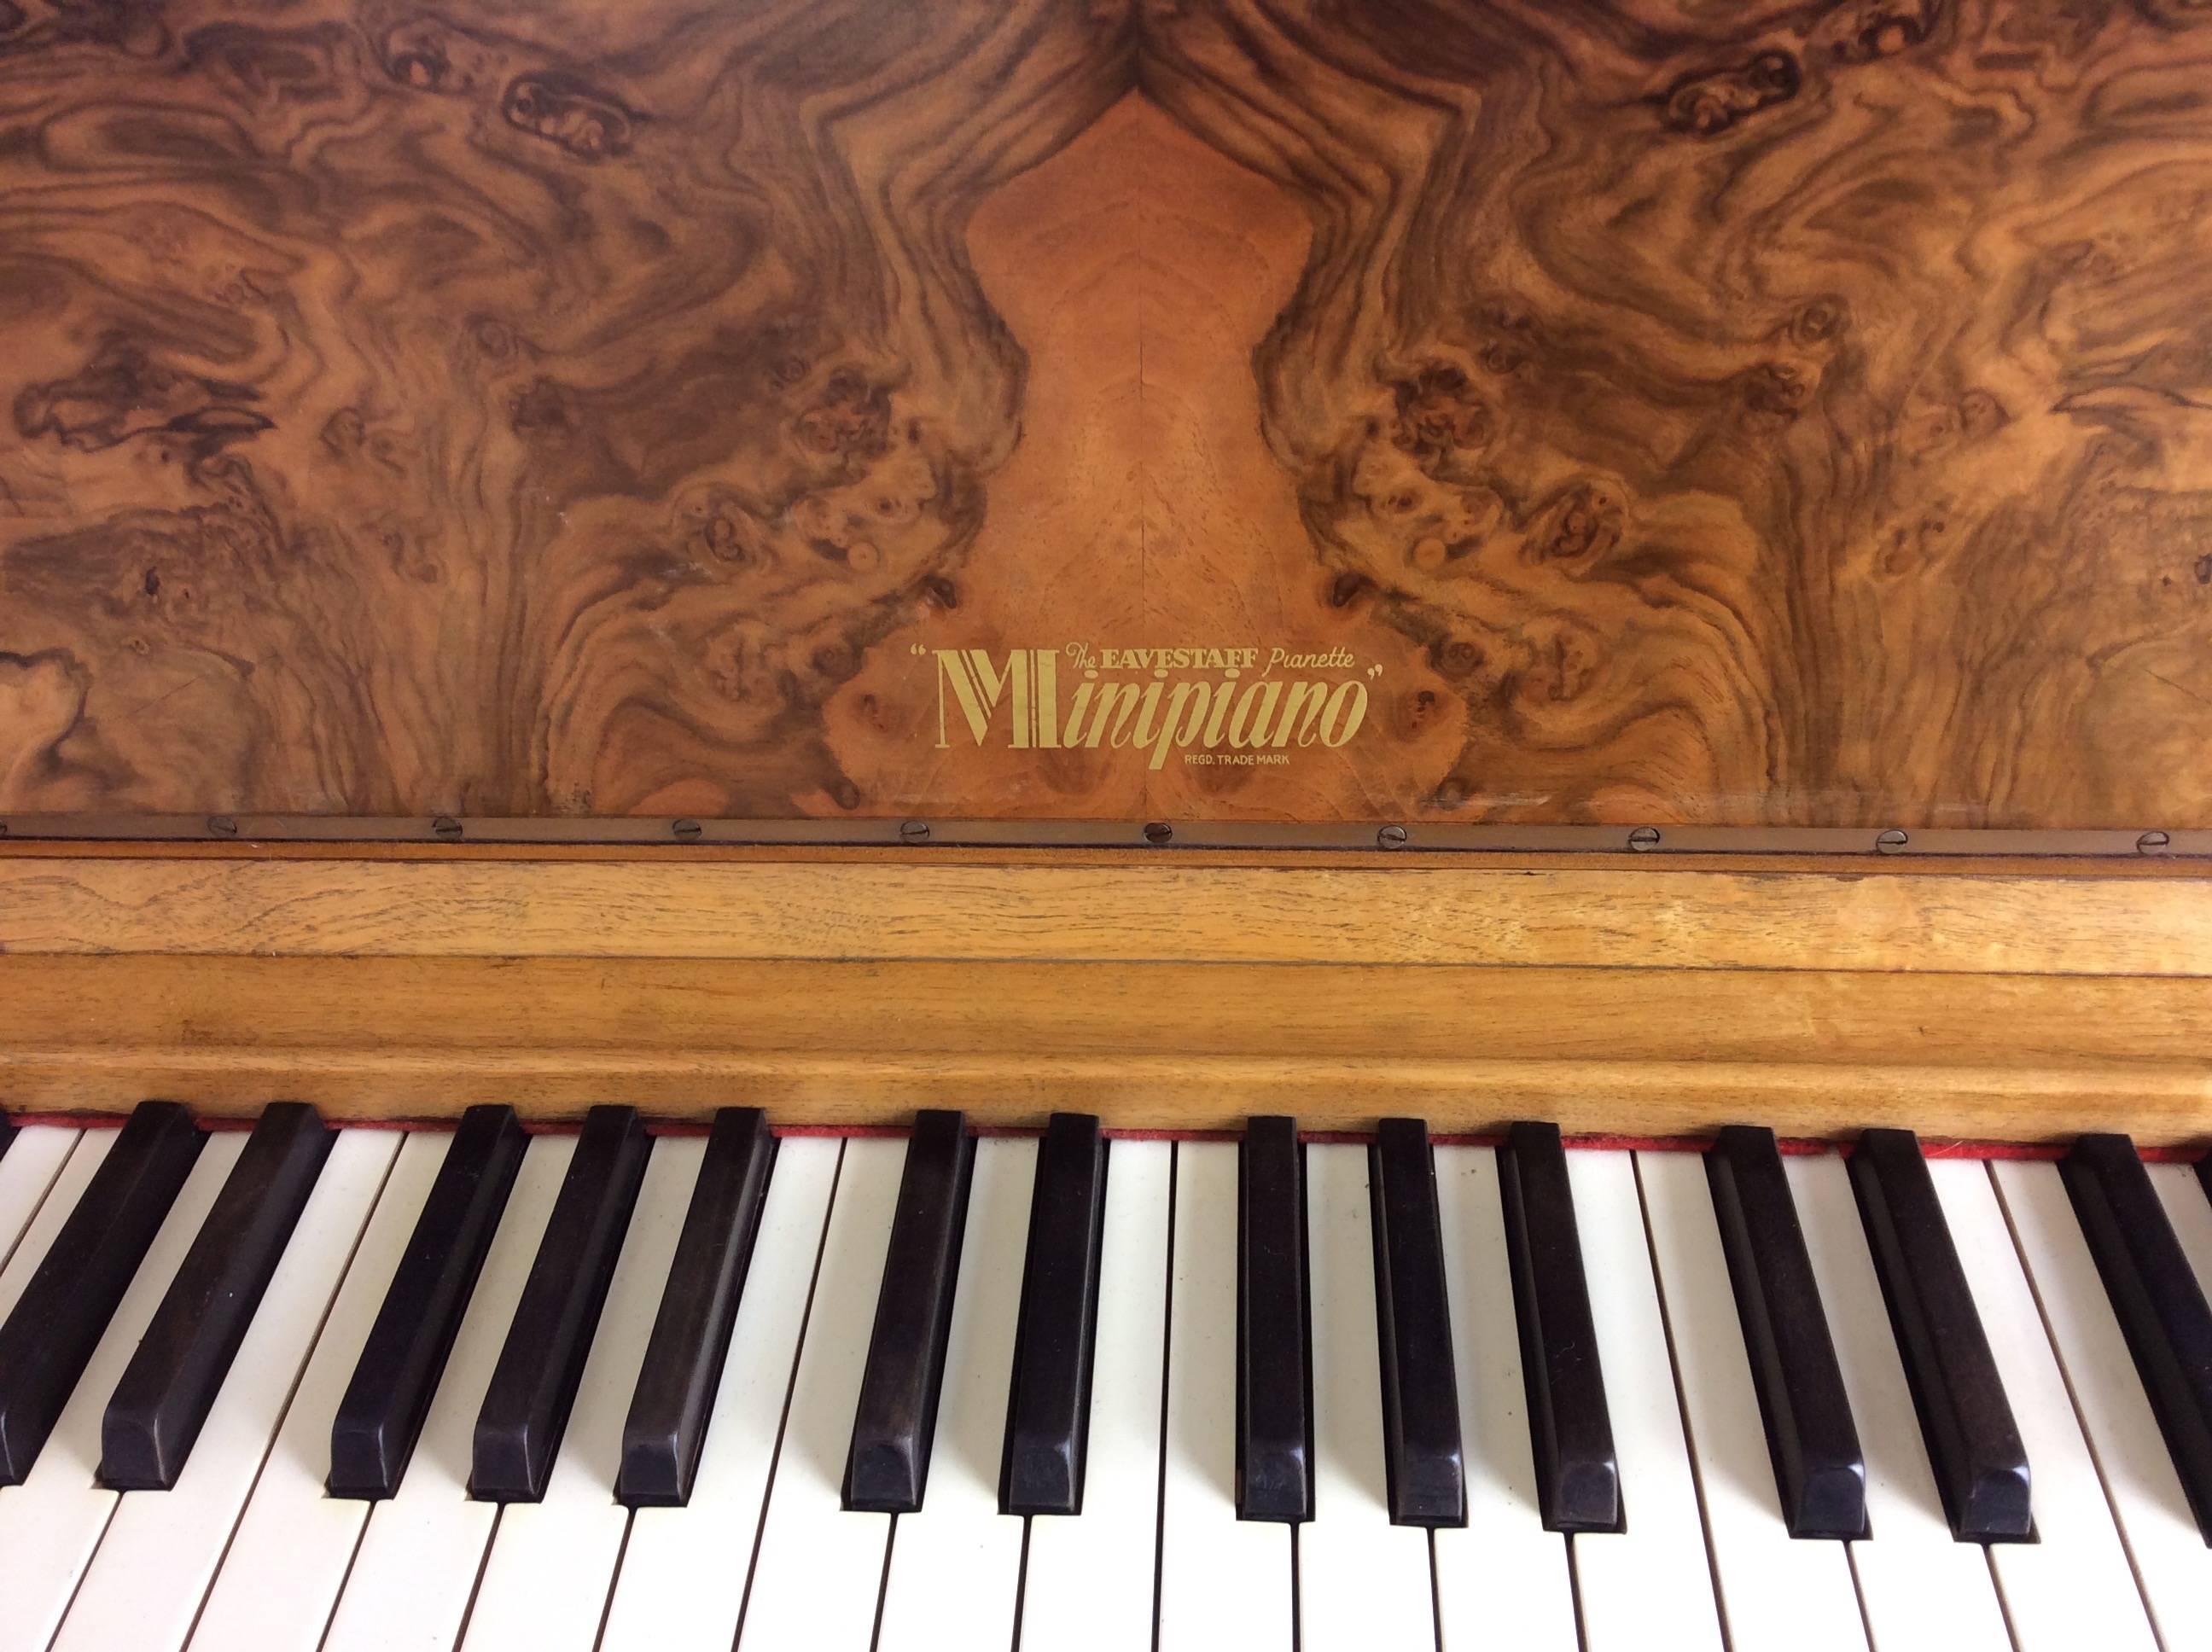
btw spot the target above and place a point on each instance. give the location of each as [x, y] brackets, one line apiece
[1753, 414]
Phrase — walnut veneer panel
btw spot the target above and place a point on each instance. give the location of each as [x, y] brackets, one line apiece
[1759, 413]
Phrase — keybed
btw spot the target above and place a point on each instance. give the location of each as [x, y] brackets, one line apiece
[970, 1331]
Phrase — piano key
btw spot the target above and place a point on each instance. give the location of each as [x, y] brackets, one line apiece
[1776, 1591]
[1578, 1478]
[158, 1409]
[1648, 1587]
[551, 1570]
[2180, 1190]
[2173, 1565]
[281, 1575]
[7, 1134]
[817, 1570]
[1223, 1581]
[1421, 1447]
[2072, 1587]
[1274, 1372]
[1980, 1467]
[34, 1159]
[159, 1555]
[381, 1416]
[681, 1583]
[2159, 1307]
[1502, 1578]
[1810, 1435]
[87, 1153]
[667, 1423]
[1088, 1583]
[1362, 1580]
[887, 1469]
[61, 1311]
[525, 1409]
[1922, 1590]
[955, 1568]
[422, 1548]
[1048, 1402]
[51, 1522]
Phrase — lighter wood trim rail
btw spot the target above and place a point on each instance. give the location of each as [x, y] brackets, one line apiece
[2003, 1005]
[1424, 912]
[1167, 1045]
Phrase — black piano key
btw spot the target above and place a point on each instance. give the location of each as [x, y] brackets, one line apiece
[7, 1134]
[380, 1418]
[1569, 1425]
[66, 1306]
[2155, 1297]
[667, 1422]
[158, 1407]
[1818, 1466]
[1424, 1470]
[526, 1406]
[1980, 1467]
[887, 1470]
[1048, 1401]
[1274, 1359]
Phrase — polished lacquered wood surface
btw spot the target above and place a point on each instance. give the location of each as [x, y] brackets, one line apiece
[1761, 414]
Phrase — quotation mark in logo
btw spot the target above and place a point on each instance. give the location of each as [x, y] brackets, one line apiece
[1374, 670]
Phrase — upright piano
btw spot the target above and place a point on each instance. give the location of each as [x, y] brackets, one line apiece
[850, 825]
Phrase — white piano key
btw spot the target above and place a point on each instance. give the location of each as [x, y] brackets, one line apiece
[1222, 1582]
[956, 1563]
[1779, 1593]
[2073, 1587]
[1923, 1590]
[281, 1576]
[546, 1585]
[1362, 1583]
[2189, 1207]
[51, 1524]
[423, 1551]
[153, 1567]
[683, 1576]
[1502, 1579]
[817, 1574]
[27, 1170]
[1647, 1589]
[1089, 1583]
[2171, 1562]
[85, 1156]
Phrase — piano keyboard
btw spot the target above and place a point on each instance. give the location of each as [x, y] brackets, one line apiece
[302, 1388]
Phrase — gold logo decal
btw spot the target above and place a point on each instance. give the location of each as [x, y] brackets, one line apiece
[1242, 705]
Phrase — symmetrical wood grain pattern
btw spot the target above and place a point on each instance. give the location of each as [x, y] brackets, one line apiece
[1769, 413]
[1404, 911]
[1193, 1046]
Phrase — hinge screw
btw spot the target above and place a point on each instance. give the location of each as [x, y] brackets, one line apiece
[687, 831]
[915, 831]
[446, 827]
[1159, 831]
[222, 826]
[1391, 837]
[1644, 838]
[2151, 843]
[1891, 840]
